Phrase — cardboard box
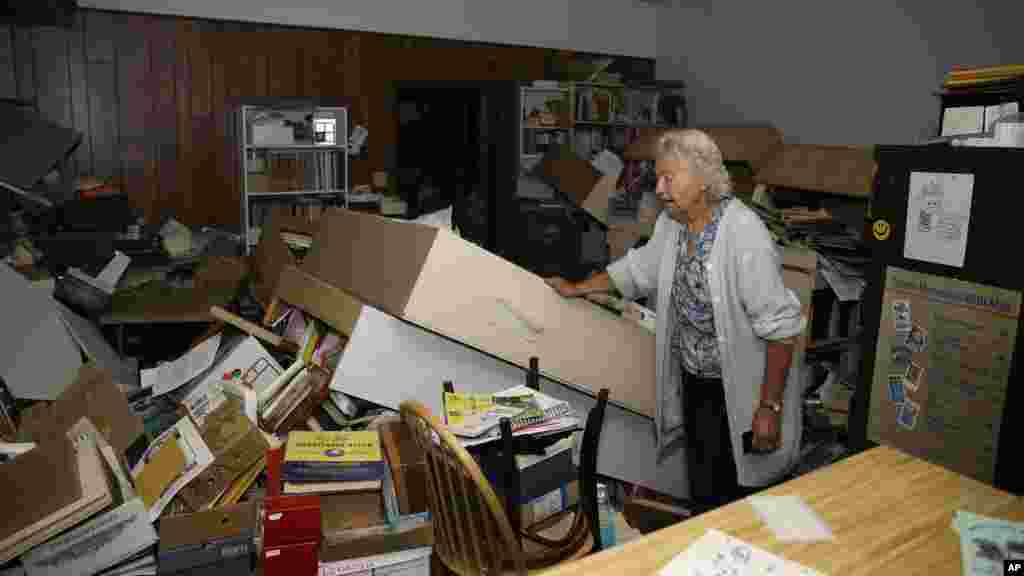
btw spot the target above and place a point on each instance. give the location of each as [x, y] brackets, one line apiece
[213, 542]
[405, 537]
[291, 560]
[320, 299]
[753, 143]
[408, 467]
[842, 170]
[236, 445]
[546, 506]
[580, 182]
[272, 253]
[92, 395]
[444, 284]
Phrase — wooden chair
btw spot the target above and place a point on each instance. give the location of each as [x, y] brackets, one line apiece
[473, 533]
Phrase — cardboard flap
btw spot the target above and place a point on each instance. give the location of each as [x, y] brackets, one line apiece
[843, 170]
[753, 143]
[31, 491]
[273, 254]
[201, 527]
[318, 298]
[92, 395]
[375, 259]
[569, 174]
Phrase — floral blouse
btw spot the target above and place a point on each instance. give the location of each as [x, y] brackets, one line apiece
[694, 341]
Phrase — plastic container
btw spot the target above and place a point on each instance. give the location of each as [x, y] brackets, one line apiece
[606, 517]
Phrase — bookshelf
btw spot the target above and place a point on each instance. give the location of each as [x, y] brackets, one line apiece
[290, 154]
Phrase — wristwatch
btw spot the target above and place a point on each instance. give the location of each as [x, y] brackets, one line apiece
[773, 406]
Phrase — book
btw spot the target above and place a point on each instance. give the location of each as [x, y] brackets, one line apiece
[542, 408]
[334, 457]
[471, 415]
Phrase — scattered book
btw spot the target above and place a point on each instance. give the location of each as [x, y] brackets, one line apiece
[324, 462]
[540, 407]
[471, 415]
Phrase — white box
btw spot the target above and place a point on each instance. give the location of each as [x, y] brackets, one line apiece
[272, 134]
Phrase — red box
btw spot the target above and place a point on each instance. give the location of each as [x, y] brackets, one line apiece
[293, 560]
[287, 520]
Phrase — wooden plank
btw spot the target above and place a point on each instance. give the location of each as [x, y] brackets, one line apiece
[100, 36]
[80, 93]
[24, 60]
[53, 94]
[163, 123]
[221, 199]
[136, 106]
[196, 36]
[8, 79]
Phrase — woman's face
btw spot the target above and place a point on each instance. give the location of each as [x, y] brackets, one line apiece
[678, 187]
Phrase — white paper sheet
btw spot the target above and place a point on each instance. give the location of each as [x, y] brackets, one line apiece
[38, 358]
[993, 113]
[244, 372]
[90, 339]
[791, 519]
[961, 120]
[172, 375]
[719, 554]
[938, 217]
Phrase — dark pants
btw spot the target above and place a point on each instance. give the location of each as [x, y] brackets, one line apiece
[711, 466]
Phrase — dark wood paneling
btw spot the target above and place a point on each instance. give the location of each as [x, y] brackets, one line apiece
[8, 79]
[134, 95]
[24, 70]
[284, 62]
[154, 95]
[53, 81]
[163, 122]
[101, 71]
[79, 81]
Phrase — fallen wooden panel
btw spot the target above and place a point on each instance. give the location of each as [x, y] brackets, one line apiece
[456, 289]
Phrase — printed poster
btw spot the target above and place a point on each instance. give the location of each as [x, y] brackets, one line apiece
[942, 367]
[938, 216]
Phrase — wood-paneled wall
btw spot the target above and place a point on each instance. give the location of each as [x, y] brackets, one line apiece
[152, 94]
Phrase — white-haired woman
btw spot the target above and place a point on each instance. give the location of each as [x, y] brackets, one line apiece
[725, 326]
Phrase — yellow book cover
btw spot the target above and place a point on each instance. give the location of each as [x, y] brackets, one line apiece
[333, 447]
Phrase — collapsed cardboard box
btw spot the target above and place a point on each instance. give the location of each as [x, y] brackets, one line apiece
[842, 170]
[272, 253]
[752, 143]
[446, 285]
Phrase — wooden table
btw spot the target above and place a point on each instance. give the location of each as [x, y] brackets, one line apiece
[890, 514]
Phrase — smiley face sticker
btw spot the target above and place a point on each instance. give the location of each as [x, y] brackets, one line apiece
[881, 229]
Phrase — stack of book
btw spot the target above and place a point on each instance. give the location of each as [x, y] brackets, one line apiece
[332, 462]
[986, 79]
[476, 417]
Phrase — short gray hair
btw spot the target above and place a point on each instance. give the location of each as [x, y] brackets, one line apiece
[698, 150]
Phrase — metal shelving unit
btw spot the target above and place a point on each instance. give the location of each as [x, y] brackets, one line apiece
[316, 156]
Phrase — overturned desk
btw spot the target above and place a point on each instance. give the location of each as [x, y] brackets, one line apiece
[890, 513]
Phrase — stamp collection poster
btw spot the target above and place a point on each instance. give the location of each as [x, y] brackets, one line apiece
[942, 366]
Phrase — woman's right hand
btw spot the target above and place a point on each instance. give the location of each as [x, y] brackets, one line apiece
[564, 287]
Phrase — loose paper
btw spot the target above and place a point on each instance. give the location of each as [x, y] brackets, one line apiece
[791, 519]
[986, 542]
[719, 554]
[195, 456]
[960, 120]
[938, 217]
[172, 375]
[993, 113]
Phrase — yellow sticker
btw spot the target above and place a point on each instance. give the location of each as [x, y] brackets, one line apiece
[881, 230]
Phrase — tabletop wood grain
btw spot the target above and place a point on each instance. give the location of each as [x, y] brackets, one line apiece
[890, 513]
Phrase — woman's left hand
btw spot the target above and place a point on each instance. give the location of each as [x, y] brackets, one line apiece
[766, 430]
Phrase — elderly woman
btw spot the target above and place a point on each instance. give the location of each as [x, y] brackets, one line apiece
[725, 326]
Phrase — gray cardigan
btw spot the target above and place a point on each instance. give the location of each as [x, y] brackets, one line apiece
[751, 306]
